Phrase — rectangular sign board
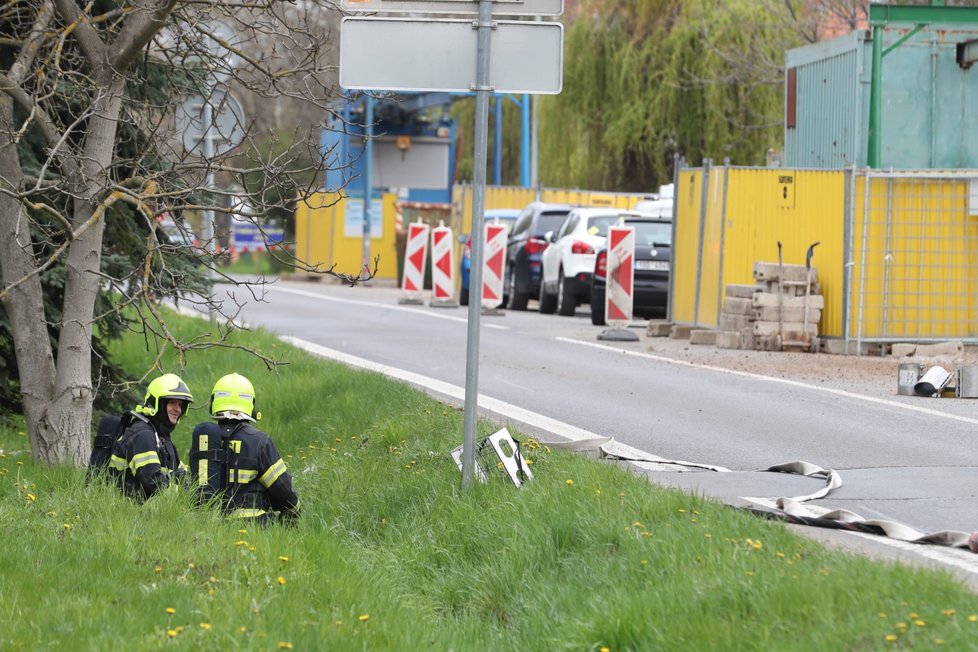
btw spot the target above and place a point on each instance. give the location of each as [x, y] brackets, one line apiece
[408, 54]
[499, 7]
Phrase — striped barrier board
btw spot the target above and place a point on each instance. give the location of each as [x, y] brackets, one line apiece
[494, 265]
[621, 273]
[442, 264]
[415, 256]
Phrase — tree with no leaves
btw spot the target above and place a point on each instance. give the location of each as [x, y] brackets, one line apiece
[88, 93]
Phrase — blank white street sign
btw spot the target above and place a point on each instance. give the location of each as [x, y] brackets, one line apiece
[406, 54]
[499, 7]
[227, 122]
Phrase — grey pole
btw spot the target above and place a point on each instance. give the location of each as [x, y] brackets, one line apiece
[482, 91]
[368, 180]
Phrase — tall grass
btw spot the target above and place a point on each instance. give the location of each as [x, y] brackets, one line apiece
[391, 554]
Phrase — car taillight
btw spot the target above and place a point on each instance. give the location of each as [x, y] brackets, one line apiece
[601, 264]
[535, 245]
[581, 248]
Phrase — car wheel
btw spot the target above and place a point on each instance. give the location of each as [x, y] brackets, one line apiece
[566, 300]
[463, 296]
[517, 300]
[597, 309]
[548, 302]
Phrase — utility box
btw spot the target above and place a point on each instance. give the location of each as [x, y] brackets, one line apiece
[929, 98]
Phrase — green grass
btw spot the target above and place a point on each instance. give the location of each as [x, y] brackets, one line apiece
[391, 554]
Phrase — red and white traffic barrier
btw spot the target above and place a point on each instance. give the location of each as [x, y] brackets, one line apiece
[415, 256]
[494, 264]
[442, 264]
[621, 274]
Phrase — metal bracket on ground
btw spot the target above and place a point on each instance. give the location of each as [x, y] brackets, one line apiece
[502, 447]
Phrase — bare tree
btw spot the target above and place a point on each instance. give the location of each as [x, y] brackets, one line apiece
[87, 134]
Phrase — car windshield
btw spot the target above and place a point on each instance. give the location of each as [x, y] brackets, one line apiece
[550, 221]
[652, 234]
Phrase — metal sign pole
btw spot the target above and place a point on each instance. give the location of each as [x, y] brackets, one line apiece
[368, 180]
[482, 90]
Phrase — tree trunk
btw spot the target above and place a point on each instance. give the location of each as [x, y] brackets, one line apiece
[24, 304]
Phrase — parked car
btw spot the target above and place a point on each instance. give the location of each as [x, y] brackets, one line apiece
[568, 262]
[503, 215]
[653, 260]
[524, 250]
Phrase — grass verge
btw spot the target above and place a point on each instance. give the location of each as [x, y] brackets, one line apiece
[390, 554]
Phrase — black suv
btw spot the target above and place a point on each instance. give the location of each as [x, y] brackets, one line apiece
[525, 247]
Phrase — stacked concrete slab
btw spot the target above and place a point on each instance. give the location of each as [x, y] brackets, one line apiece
[780, 311]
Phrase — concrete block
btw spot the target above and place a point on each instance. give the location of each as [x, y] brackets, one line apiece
[764, 271]
[735, 322]
[903, 349]
[728, 340]
[740, 291]
[767, 328]
[736, 306]
[703, 337]
[793, 313]
[680, 332]
[939, 348]
[659, 329]
[838, 346]
[747, 339]
[770, 300]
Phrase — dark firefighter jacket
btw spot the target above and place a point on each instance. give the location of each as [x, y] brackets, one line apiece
[239, 464]
[143, 460]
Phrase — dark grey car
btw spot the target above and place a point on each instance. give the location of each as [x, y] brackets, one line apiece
[525, 248]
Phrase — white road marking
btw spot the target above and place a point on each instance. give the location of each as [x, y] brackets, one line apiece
[772, 379]
[372, 304]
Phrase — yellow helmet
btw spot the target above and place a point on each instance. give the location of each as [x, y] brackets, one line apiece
[165, 388]
[234, 393]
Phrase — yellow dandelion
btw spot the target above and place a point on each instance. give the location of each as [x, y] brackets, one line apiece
[158, 569]
[605, 649]
[19, 463]
[211, 579]
[205, 626]
[67, 526]
[569, 482]
[51, 514]
[708, 535]
[891, 637]
[338, 622]
[242, 629]
[191, 565]
[914, 615]
[284, 645]
[211, 591]
[31, 498]
[179, 629]
[529, 462]
[882, 615]
[919, 623]
[758, 545]
[241, 542]
[364, 618]
[242, 531]
[750, 573]
[681, 510]
[281, 581]
[283, 558]
[949, 612]
[644, 562]
[902, 626]
[171, 610]
[780, 555]
[938, 641]
[637, 524]
[973, 618]
[171, 633]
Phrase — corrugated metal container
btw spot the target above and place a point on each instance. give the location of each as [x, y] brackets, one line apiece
[740, 219]
[927, 101]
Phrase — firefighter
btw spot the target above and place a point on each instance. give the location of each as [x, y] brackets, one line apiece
[144, 459]
[237, 464]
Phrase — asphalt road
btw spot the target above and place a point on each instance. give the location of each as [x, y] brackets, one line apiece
[549, 376]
